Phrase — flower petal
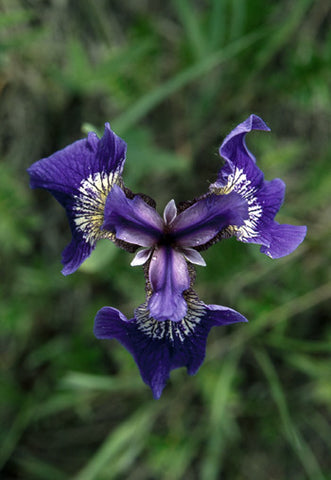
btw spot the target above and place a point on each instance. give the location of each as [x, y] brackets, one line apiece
[170, 212]
[169, 277]
[80, 177]
[202, 221]
[193, 256]
[234, 148]
[284, 239]
[132, 220]
[141, 257]
[240, 174]
[159, 347]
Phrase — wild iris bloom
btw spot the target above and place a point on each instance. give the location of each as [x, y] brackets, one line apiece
[170, 329]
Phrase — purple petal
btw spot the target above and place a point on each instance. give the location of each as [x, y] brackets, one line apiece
[80, 177]
[220, 316]
[234, 148]
[169, 277]
[64, 172]
[207, 217]
[284, 239]
[132, 220]
[240, 169]
[74, 255]
[111, 323]
[159, 347]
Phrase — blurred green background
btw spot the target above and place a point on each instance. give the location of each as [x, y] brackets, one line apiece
[172, 78]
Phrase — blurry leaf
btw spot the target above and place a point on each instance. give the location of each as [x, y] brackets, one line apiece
[146, 158]
[85, 382]
[13, 435]
[103, 74]
[190, 20]
[38, 469]
[16, 219]
[134, 430]
[100, 258]
[296, 441]
[219, 431]
[151, 99]
[14, 17]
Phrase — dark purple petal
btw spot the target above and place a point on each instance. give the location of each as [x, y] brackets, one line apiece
[234, 148]
[284, 239]
[89, 162]
[132, 220]
[80, 177]
[220, 316]
[159, 347]
[240, 171]
[169, 277]
[207, 217]
[74, 255]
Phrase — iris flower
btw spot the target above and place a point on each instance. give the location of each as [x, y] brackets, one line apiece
[170, 329]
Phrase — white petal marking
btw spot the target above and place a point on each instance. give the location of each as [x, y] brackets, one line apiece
[170, 212]
[141, 257]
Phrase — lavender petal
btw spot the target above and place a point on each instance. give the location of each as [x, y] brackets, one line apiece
[207, 217]
[131, 220]
[169, 278]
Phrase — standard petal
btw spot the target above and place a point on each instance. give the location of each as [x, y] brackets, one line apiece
[132, 220]
[193, 256]
[201, 222]
[240, 172]
[284, 239]
[170, 212]
[169, 278]
[141, 257]
[234, 148]
[80, 177]
[159, 347]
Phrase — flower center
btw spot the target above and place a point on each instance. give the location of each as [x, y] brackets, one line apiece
[167, 239]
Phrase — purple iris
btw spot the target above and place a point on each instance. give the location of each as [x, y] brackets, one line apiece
[170, 243]
[170, 329]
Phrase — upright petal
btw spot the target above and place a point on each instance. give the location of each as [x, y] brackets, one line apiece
[80, 177]
[132, 220]
[202, 221]
[169, 278]
[234, 148]
[241, 175]
[159, 347]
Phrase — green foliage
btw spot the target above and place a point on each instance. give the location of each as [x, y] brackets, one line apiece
[172, 78]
